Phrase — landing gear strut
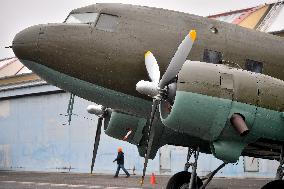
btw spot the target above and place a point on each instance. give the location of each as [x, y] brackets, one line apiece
[210, 176]
[278, 182]
[280, 169]
[187, 180]
[193, 179]
[189, 154]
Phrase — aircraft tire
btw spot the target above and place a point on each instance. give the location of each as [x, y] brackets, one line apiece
[276, 184]
[180, 179]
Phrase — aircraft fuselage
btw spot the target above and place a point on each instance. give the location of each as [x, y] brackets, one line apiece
[102, 60]
[115, 59]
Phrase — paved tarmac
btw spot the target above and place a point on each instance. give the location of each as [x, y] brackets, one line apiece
[43, 180]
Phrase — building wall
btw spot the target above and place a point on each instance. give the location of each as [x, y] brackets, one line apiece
[33, 138]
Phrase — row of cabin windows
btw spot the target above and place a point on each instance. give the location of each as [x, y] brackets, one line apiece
[215, 57]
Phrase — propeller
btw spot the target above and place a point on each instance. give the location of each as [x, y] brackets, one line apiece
[101, 112]
[165, 88]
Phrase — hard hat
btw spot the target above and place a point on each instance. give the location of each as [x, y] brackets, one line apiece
[119, 149]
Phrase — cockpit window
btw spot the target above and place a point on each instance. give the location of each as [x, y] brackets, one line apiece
[82, 18]
[107, 22]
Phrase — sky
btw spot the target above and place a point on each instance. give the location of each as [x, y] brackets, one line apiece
[16, 15]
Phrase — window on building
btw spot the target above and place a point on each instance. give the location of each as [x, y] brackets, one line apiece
[253, 66]
[211, 56]
[82, 18]
[107, 22]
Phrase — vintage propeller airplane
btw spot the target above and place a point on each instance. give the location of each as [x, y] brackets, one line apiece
[221, 90]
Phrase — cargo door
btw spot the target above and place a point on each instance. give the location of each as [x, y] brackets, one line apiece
[165, 159]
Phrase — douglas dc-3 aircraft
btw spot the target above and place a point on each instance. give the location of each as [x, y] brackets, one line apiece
[214, 87]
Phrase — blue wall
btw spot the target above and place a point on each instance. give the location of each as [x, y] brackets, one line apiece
[32, 138]
[32, 130]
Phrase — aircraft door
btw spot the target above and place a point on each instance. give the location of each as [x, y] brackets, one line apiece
[165, 159]
[251, 164]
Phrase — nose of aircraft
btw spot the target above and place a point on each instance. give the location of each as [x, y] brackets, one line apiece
[25, 43]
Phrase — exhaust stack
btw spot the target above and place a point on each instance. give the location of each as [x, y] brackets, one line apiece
[239, 124]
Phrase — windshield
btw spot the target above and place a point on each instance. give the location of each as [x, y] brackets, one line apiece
[83, 18]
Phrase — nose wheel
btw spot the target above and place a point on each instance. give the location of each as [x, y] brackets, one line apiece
[181, 181]
[187, 180]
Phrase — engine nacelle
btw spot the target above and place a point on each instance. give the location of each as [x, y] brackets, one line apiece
[132, 129]
[126, 127]
[208, 98]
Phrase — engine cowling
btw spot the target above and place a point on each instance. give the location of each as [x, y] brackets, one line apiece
[209, 95]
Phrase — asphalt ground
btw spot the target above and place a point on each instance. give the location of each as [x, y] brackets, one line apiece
[43, 180]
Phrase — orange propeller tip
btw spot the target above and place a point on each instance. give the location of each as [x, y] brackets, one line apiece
[192, 34]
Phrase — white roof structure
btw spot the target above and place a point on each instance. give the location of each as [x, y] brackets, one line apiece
[272, 20]
[278, 23]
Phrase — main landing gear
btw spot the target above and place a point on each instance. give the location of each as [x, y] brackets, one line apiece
[278, 182]
[187, 180]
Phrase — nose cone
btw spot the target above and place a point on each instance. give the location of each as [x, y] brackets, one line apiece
[25, 43]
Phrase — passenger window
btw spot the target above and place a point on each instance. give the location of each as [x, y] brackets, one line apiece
[211, 56]
[254, 66]
[107, 22]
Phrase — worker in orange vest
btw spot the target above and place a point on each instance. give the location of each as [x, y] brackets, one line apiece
[120, 163]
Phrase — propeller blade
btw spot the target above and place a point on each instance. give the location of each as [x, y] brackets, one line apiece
[97, 142]
[178, 59]
[151, 136]
[152, 67]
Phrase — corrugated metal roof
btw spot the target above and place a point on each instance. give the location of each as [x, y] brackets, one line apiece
[229, 18]
[6, 61]
[229, 13]
[24, 70]
[235, 17]
[11, 67]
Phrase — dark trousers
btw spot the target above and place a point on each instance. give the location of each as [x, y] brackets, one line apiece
[122, 167]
